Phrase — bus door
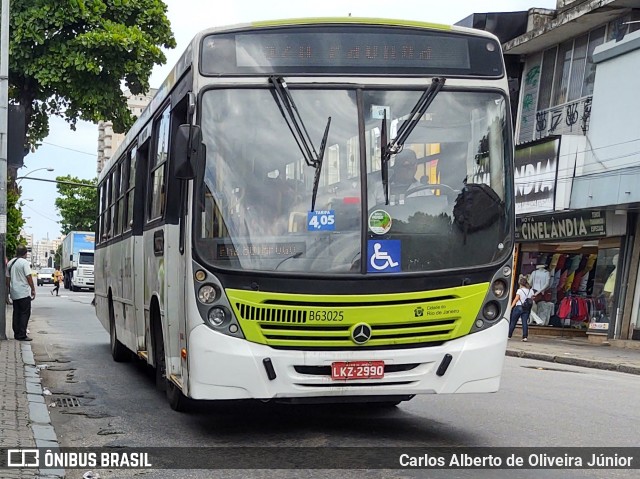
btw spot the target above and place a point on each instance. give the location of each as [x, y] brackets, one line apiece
[164, 259]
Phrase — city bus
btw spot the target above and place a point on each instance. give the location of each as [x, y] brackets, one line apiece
[255, 239]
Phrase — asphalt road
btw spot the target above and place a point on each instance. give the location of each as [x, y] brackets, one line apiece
[103, 403]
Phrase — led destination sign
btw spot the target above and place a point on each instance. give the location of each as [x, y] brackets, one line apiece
[353, 49]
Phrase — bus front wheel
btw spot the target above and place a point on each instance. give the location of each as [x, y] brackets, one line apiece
[178, 401]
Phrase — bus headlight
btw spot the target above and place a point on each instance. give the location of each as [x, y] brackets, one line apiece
[217, 316]
[499, 288]
[491, 310]
[207, 294]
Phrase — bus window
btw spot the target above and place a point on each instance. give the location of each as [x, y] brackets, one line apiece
[131, 179]
[156, 205]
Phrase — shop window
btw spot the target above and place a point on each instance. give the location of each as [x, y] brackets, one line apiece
[605, 283]
[596, 38]
[568, 287]
[568, 71]
[546, 78]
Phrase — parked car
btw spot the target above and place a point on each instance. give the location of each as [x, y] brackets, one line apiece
[45, 276]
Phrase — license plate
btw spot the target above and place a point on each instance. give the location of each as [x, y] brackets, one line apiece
[357, 370]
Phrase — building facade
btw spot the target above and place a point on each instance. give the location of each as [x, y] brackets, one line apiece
[40, 253]
[108, 140]
[577, 163]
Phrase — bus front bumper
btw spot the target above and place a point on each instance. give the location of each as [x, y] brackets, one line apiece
[222, 367]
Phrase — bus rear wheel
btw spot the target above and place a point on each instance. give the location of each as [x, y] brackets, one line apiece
[119, 352]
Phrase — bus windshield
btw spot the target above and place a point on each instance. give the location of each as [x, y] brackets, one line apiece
[253, 206]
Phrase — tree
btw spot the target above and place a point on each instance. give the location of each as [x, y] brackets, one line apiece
[15, 221]
[77, 205]
[70, 58]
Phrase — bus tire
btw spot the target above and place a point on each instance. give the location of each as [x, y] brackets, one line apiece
[119, 352]
[158, 353]
[178, 401]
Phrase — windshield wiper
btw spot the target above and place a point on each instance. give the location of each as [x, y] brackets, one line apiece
[395, 146]
[292, 117]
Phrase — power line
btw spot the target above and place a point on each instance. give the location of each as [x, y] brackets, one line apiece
[70, 149]
[40, 214]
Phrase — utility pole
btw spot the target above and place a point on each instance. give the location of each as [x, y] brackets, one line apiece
[4, 124]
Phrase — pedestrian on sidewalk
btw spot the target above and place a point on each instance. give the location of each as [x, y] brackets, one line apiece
[57, 279]
[22, 292]
[521, 308]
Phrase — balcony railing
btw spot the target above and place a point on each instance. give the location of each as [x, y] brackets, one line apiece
[566, 119]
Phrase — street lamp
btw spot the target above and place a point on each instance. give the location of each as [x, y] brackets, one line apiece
[20, 178]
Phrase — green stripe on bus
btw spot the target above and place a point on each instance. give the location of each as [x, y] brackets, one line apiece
[320, 321]
[360, 21]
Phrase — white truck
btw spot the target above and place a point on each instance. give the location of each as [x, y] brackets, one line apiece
[76, 261]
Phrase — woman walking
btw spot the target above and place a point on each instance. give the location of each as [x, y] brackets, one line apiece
[521, 308]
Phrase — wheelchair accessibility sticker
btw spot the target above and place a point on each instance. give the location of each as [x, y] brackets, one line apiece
[384, 256]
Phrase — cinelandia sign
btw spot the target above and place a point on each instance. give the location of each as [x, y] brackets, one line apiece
[573, 225]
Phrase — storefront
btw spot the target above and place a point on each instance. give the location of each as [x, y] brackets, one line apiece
[572, 261]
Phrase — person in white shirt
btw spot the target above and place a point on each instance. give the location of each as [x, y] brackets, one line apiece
[521, 308]
[21, 291]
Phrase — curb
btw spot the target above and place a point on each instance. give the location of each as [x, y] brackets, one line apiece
[43, 432]
[585, 363]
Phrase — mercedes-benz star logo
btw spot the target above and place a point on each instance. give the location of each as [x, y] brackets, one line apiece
[361, 333]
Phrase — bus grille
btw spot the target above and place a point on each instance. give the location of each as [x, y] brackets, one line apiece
[276, 315]
[282, 327]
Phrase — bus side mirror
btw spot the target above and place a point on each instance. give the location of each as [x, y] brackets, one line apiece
[185, 150]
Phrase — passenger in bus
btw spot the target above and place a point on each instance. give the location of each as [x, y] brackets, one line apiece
[405, 169]
[403, 179]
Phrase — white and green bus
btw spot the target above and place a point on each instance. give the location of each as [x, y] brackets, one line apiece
[257, 240]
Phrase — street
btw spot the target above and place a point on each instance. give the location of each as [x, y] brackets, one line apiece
[103, 403]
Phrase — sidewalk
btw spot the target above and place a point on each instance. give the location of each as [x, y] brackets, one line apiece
[24, 417]
[576, 352]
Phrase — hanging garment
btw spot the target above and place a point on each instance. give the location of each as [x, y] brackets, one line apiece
[582, 312]
[577, 279]
[568, 282]
[582, 288]
[565, 308]
[575, 262]
[561, 261]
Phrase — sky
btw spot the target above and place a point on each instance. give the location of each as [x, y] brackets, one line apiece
[75, 152]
